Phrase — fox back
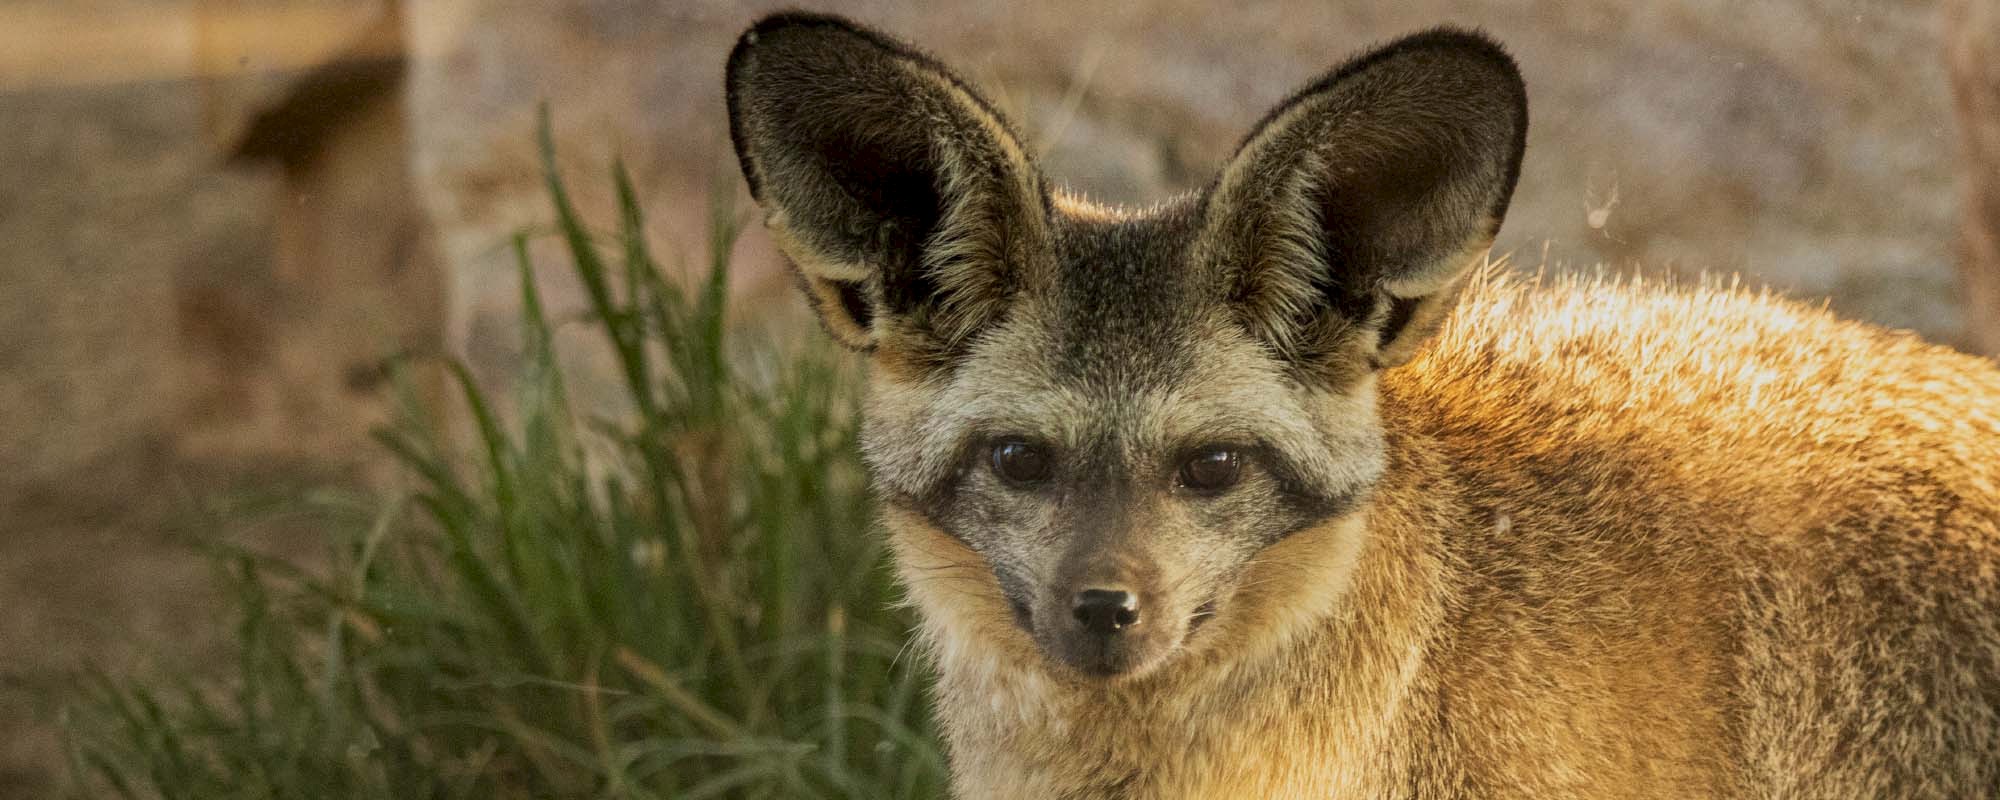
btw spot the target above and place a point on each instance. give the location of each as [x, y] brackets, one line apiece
[1279, 489]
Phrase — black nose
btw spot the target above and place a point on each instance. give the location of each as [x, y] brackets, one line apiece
[1106, 611]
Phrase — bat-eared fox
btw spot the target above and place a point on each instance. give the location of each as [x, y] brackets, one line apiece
[1281, 489]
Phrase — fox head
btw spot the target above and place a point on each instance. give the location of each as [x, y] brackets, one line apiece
[1095, 430]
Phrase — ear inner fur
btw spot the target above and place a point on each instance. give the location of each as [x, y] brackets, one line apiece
[1380, 183]
[904, 201]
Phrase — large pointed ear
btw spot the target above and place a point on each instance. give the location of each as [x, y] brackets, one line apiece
[904, 200]
[1344, 226]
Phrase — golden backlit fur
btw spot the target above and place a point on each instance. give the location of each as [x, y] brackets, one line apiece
[1634, 540]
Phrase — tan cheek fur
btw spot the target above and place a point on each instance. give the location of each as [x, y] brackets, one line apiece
[1019, 727]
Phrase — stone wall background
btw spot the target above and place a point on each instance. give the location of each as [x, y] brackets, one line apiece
[197, 293]
[1972, 49]
[176, 318]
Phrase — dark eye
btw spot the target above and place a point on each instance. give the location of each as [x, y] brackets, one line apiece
[1211, 470]
[1020, 462]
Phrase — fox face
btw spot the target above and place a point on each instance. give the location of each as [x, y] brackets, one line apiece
[1117, 456]
[1110, 420]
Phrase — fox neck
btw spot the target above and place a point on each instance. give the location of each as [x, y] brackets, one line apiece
[1334, 639]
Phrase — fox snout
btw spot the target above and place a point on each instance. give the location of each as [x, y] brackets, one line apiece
[1107, 623]
[1105, 612]
[1102, 632]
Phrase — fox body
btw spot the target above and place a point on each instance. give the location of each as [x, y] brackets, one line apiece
[1276, 490]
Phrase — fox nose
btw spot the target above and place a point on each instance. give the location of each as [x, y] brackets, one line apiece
[1106, 611]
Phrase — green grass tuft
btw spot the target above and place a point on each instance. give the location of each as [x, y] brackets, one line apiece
[700, 608]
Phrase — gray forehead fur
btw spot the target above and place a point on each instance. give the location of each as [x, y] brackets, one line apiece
[1130, 354]
[1125, 298]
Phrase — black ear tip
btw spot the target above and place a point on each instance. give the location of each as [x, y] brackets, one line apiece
[801, 37]
[1472, 44]
[792, 18]
[1481, 51]
[1464, 38]
[776, 25]
[767, 29]
[1471, 47]
[785, 24]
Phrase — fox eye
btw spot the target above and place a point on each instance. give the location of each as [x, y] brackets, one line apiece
[1020, 463]
[1211, 470]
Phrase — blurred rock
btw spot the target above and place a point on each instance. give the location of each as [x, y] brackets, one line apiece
[106, 201]
[300, 368]
[213, 248]
[1972, 48]
[211, 256]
